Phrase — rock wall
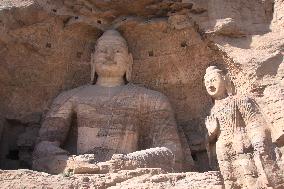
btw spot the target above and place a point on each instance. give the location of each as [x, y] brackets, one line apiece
[45, 48]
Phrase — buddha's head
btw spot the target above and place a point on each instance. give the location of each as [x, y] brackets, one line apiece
[111, 57]
[215, 82]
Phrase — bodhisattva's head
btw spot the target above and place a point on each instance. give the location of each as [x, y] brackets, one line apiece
[111, 58]
[215, 82]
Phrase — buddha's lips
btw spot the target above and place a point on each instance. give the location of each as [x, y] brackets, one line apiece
[109, 63]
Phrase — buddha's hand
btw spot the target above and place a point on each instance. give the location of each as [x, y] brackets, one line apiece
[117, 162]
[212, 126]
[159, 157]
[81, 164]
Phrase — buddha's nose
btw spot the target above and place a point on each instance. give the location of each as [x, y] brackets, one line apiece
[109, 55]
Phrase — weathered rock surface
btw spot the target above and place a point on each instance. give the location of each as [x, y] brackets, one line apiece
[140, 178]
[46, 45]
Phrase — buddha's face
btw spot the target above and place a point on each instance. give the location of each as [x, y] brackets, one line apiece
[215, 85]
[111, 58]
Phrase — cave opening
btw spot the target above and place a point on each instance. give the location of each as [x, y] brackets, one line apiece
[13, 154]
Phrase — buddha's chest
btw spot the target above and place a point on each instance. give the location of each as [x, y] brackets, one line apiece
[103, 112]
[107, 124]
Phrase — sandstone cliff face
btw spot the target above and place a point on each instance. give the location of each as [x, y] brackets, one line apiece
[45, 48]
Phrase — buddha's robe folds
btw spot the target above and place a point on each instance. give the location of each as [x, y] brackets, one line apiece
[107, 121]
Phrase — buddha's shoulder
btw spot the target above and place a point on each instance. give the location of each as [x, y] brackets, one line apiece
[69, 94]
[144, 92]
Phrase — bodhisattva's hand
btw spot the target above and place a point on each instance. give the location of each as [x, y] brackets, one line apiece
[212, 126]
[260, 148]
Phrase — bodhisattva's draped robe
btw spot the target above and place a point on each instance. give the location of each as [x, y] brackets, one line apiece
[244, 148]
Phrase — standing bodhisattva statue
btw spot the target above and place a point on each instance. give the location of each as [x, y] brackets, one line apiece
[119, 124]
[243, 143]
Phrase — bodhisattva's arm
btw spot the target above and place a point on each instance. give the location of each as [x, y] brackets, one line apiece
[48, 156]
[256, 127]
[212, 127]
[260, 138]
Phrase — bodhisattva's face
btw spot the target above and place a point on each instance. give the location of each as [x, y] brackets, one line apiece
[215, 85]
[111, 59]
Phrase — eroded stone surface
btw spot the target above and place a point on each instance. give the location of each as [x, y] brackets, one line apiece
[140, 178]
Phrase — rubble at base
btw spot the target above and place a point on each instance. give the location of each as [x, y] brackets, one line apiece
[139, 178]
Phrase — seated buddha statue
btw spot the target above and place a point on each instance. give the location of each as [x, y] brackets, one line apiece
[117, 125]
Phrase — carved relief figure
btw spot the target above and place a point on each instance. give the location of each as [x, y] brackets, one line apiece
[117, 123]
[240, 137]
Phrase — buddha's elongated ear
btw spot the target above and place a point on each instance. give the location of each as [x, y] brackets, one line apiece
[229, 85]
[129, 68]
[93, 69]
